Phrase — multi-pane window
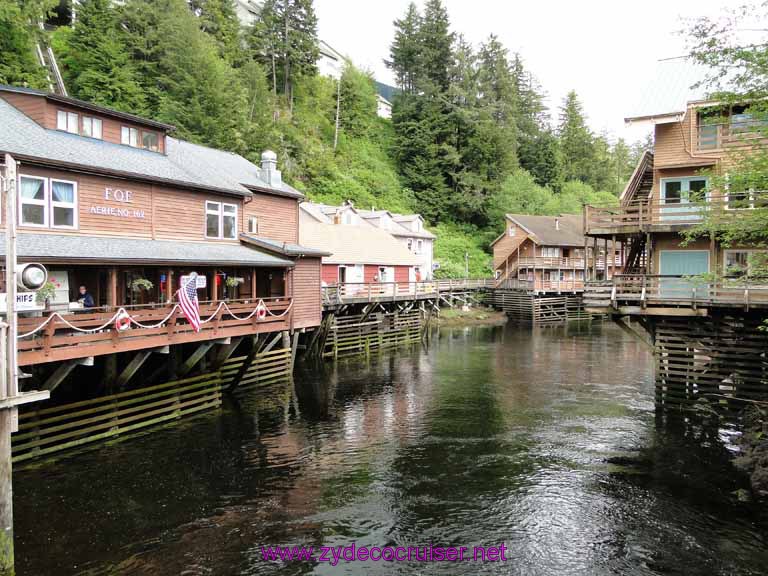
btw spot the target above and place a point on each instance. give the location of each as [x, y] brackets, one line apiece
[550, 252]
[220, 220]
[682, 190]
[129, 136]
[744, 262]
[45, 203]
[67, 121]
[253, 225]
[149, 140]
[92, 127]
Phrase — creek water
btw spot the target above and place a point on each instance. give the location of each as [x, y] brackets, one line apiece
[544, 440]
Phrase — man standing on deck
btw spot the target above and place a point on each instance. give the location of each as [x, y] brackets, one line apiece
[85, 298]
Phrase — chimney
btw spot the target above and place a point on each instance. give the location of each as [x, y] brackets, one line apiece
[557, 223]
[269, 171]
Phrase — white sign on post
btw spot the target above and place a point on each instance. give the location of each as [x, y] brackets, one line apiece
[25, 302]
[201, 281]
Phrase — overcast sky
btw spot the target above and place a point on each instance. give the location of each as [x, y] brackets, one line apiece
[602, 49]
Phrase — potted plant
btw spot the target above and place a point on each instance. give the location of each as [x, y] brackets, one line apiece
[139, 284]
[232, 282]
[44, 294]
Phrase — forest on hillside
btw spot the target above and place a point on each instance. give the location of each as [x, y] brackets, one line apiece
[470, 137]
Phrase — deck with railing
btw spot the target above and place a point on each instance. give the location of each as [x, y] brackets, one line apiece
[656, 215]
[93, 332]
[363, 292]
[645, 292]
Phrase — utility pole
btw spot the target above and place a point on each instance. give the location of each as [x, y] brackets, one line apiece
[10, 398]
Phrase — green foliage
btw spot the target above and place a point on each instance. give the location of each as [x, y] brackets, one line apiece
[19, 33]
[456, 240]
[96, 64]
[284, 41]
[219, 19]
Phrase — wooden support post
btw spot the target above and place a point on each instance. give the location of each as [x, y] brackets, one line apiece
[249, 359]
[110, 373]
[169, 285]
[133, 366]
[215, 287]
[112, 288]
[174, 358]
[613, 257]
[59, 375]
[272, 343]
[226, 351]
[294, 348]
[192, 361]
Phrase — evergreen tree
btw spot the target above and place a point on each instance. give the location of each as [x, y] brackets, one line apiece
[542, 157]
[436, 41]
[284, 40]
[219, 19]
[576, 141]
[97, 66]
[19, 33]
[405, 51]
[190, 85]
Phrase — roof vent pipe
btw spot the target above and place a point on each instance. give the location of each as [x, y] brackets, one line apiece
[557, 223]
[269, 171]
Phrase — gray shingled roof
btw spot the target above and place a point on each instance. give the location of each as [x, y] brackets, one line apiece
[107, 250]
[184, 163]
[284, 248]
[545, 231]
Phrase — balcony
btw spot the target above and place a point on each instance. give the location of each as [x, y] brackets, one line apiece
[654, 215]
[93, 332]
[658, 294]
[711, 137]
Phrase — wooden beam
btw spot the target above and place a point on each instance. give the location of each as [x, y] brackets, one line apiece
[58, 376]
[246, 363]
[622, 322]
[192, 361]
[112, 287]
[271, 345]
[226, 350]
[133, 366]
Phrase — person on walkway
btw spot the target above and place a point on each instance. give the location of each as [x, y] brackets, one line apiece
[85, 298]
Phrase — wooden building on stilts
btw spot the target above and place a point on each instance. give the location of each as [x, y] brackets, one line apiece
[122, 213]
[698, 303]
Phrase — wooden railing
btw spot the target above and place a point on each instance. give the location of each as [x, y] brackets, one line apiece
[557, 263]
[560, 285]
[646, 289]
[373, 291]
[641, 216]
[730, 134]
[90, 332]
[515, 284]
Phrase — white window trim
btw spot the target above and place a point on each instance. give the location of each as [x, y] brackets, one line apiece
[43, 202]
[67, 117]
[419, 246]
[131, 130]
[750, 193]
[93, 120]
[219, 211]
[73, 204]
[256, 220]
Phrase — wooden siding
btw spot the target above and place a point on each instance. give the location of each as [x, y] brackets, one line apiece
[307, 305]
[330, 273]
[110, 128]
[278, 217]
[31, 105]
[402, 273]
[370, 273]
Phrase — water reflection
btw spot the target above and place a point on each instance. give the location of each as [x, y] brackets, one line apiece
[545, 440]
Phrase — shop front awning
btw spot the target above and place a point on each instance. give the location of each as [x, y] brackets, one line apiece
[79, 249]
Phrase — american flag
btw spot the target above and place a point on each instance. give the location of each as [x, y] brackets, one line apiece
[188, 302]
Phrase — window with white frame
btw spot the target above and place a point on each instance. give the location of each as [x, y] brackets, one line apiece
[129, 136]
[220, 220]
[410, 244]
[63, 204]
[47, 203]
[67, 121]
[419, 246]
[92, 127]
[253, 225]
